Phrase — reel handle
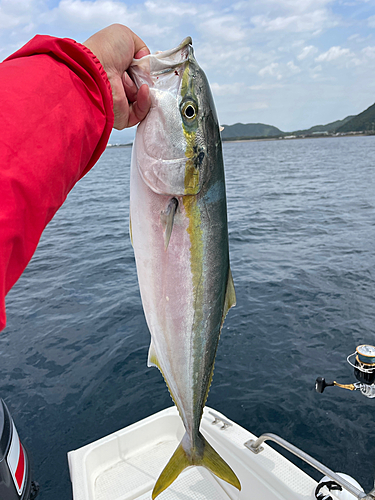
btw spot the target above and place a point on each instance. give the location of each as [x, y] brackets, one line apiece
[321, 384]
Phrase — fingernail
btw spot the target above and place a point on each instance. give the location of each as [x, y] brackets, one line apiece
[141, 53]
[129, 82]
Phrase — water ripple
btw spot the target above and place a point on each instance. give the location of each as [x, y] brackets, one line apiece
[302, 233]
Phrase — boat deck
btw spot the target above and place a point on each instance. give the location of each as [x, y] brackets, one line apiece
[126, 464]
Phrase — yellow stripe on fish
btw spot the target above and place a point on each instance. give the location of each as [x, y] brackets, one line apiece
[180, 236]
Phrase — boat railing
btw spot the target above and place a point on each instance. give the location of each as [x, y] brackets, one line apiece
[255, 447]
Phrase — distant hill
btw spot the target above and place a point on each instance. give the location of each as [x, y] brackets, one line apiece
[329, 127]
[256, 130]
[249, 130]
[365, 121]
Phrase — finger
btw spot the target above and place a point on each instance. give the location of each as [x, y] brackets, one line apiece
[140, 48]
[130, 87]
[139, 109]
[120, 104]
[141, 53]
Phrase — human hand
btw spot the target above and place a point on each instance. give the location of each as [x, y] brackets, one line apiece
[115, 47]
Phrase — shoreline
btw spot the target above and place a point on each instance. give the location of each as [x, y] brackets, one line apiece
[273, 138]
[298, 137]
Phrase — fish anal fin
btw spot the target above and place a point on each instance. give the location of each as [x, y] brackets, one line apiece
[180, 460]
[167, 219]
[230, 296]
[153, 361]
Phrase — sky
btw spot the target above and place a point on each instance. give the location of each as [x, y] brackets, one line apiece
[288, 63]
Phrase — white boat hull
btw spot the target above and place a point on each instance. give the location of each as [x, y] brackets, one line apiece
[126, 464]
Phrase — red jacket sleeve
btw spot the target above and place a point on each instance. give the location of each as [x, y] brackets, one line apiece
[56, 115]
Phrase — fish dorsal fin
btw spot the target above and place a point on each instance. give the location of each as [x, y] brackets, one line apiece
[230, 296]
[167, 219]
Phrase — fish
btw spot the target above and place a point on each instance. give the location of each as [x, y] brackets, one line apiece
[179, 233]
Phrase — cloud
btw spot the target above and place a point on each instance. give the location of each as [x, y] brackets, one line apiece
[271, 70]
[266, 86]
[332, 54]
[241, 96]
[227, 28]
[293, 68]
[14, 14]
[228, 88]
[298, 6]
[175, 8]
[250, 50]
[252, 105]
[95, 14]
[369, 52]
[10, 21]
[220, 57]
[316, 71]
[312, 22]
[307, 51]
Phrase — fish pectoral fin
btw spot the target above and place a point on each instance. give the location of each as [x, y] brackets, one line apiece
[230, 296]
[180, 460]
[167, 219]
[130, 230]
[152, 357]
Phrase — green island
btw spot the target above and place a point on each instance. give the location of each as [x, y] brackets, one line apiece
[361, 124]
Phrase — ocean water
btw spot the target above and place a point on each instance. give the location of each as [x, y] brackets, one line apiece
[302, 245]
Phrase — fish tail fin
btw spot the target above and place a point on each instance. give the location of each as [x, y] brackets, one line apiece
[177, 463]
[217, 465]
[180, 460]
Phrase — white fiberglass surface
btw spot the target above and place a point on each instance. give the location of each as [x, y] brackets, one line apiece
[126, 464]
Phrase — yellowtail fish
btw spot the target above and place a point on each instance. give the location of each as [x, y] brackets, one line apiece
[178, 219]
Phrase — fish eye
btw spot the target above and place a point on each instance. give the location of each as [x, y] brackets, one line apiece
[189, 110]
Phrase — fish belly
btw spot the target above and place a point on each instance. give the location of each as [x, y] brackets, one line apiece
[165, 283]
[182, 295]
[184, 290]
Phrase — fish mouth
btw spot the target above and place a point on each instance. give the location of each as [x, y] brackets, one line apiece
[163, 62]
[167, 53]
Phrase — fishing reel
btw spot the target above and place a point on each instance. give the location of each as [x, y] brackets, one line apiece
[363, 362]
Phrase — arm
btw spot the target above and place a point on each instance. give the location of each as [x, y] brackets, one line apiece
[56, 116]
